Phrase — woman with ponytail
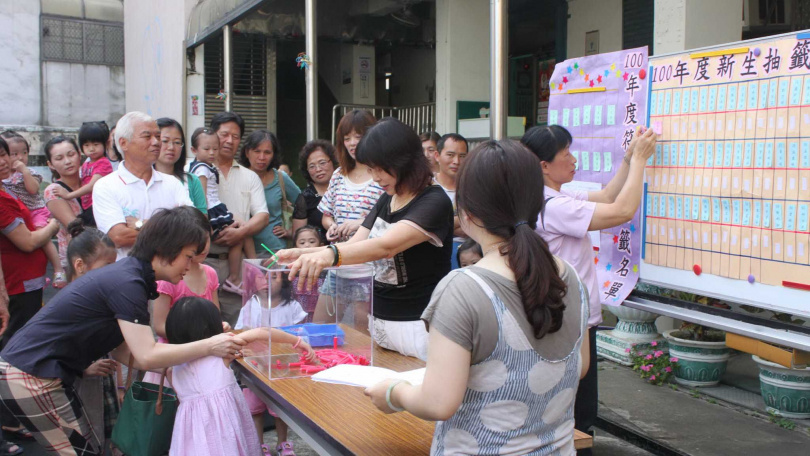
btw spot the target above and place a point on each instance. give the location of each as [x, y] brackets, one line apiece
[508, 336]
[570, 214]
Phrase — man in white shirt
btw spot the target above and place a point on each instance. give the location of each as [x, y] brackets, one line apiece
[125, 199]
[451, 150]
[242, 192]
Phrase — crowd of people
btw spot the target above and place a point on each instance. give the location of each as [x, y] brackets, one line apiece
[481, 260]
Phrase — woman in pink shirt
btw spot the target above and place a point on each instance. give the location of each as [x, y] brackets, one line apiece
[570, 214]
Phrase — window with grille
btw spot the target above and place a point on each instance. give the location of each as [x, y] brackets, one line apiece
[81, 41]
[249, 53]
[249, 65]
[637, 24]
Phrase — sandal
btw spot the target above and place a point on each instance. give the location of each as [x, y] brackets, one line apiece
[5, 449]
[231, 288]
[266, 451]
[285, 449]
[20, 434]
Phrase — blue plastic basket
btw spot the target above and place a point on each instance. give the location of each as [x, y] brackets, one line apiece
[320, 335]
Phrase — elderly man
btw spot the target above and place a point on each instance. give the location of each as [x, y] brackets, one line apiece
[125, 199]
[241, 190]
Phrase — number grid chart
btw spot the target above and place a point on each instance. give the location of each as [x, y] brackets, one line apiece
[601, 100]
[728, 189]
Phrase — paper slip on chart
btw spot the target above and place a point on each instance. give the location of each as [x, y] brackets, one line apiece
[365, 376]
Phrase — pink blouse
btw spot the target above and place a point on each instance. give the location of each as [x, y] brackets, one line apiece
[181, 290]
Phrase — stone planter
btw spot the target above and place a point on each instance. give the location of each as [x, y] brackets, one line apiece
[635, 330]
[786, 392]
[699, 363]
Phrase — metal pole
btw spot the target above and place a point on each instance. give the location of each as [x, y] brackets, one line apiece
[498, 78]
[227, 57]
[311, 36]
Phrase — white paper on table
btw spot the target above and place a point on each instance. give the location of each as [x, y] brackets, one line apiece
[365, 376]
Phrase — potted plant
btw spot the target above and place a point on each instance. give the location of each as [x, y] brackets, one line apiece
[654, 365]
[786, 391]
[701, 352]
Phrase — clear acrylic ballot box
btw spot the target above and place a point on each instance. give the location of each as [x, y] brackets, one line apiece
[332, 315]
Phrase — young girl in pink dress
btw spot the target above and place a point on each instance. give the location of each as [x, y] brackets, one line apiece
[213, 417]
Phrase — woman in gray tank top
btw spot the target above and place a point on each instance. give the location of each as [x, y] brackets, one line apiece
[508, 336]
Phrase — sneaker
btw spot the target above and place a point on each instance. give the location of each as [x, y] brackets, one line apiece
[285, 449]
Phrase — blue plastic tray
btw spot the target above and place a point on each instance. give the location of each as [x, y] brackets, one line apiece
[320, 335]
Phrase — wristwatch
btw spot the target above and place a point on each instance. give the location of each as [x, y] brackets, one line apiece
[138, 225]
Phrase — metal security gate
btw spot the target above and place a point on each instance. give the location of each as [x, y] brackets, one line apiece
[249, 79]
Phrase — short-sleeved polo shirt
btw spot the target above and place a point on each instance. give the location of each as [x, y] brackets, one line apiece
[121, 194]
[80, 324]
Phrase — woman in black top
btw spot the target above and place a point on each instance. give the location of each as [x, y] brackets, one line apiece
[408, 236]
[317, 163]
[104, 311]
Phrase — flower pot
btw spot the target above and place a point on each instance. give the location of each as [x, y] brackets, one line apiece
[786, 392]
[699, 363]
[634, 331]
[636, 325]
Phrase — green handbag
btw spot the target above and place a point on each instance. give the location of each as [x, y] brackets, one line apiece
[144, 426]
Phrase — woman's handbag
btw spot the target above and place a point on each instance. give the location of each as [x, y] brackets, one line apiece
[286, 208]
[146, 421]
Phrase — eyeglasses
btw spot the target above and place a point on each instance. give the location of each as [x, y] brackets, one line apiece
[322, 164]
[177, 144]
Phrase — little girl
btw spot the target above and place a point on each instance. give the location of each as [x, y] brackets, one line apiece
[200, 281]
[24, 185]
[213, 417]
[306, 237]
[93, 138]
[469, 253]
[205, 145]
[284, 311]
[91, 249]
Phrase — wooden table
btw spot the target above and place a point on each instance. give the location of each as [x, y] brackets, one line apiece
[340, 419]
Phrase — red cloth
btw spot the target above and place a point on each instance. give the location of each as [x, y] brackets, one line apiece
[18, 266]
[102, 166]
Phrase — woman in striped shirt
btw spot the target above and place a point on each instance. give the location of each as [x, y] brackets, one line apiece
[352, 193]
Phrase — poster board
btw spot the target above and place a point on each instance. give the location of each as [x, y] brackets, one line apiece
[727, 203]
[601, 100]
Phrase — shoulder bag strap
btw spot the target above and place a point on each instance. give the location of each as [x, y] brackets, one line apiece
[280, 178]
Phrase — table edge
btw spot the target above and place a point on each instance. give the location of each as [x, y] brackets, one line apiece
[248, 375]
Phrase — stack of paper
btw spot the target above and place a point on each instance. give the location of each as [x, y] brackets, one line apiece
[365, 376]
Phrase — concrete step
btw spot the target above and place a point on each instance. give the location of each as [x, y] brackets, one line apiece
[680, 421]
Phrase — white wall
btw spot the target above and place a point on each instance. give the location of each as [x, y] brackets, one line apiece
[714, 22]
[589, 15]
[462, 57]
[73, 93]
[19, 73]
[154, 31]
[690, 24]
[195, 85]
